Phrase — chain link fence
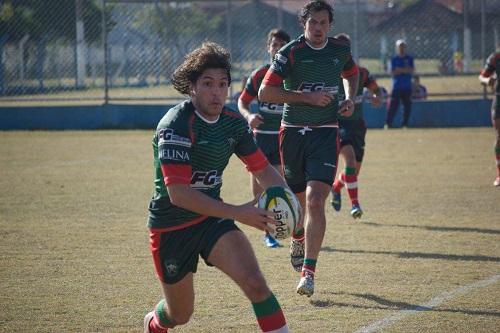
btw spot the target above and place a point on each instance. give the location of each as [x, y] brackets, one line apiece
[111, 50]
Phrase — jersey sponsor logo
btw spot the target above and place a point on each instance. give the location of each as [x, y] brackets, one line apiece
[280, 58]
[205, 179]
[171, 154]
[167, 136]
[271, 107]
[318, 86]
[277, 67]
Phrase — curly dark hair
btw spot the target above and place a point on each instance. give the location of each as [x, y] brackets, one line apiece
[208, 55]
[278, 33]
[315, 6]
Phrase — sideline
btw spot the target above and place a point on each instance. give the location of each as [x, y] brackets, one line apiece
[446, 296]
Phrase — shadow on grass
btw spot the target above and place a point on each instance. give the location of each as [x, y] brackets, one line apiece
[418, 255]
[386, 304]
[435, 228]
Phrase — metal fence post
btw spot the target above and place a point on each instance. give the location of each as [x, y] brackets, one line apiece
[105, 47]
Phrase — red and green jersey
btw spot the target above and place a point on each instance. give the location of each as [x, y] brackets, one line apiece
[366, 80]
[189, 149]
[271, 113]
[493, 66]
[298, 66]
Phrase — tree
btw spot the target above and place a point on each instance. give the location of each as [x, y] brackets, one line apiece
[53, 19]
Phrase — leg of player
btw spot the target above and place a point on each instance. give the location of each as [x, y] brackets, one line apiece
[348, 178]
[496, 125]
[269, 240]
[315, 226]
[234, 255]
[297, 240]
[393, 108]
[175, 309]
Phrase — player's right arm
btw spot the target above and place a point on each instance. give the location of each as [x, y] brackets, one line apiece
[272, 90]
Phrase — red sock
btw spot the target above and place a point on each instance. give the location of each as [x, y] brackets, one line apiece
[338, 184]
[160, 322]
[351, 183]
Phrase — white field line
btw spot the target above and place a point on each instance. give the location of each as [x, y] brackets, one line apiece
[446, 296]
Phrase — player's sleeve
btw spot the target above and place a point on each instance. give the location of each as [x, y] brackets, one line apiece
[350, 68]
[370, 81]
[251, 90]
[248, 152]
[174, 154]
[489, 67]
[279, 69]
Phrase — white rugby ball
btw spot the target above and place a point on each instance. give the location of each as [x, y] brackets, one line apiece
[286, 208]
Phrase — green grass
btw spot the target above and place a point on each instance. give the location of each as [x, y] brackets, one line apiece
[74, 243]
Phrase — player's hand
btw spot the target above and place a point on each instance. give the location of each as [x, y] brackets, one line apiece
[346, 108]
[318, 98]
[376, 101]
[254, 120]
[254, 216]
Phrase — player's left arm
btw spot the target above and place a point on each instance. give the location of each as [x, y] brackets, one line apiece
[375, 91]
[486, 76]
[350, 80]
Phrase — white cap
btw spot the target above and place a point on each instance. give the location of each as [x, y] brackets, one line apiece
[400, 41]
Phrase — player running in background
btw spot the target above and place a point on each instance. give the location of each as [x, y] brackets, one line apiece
[187, 219]
[265, 123]
[489, 76]
[352, 139]
[306, 75]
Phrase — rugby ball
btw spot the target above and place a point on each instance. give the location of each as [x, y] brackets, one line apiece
[286, 208]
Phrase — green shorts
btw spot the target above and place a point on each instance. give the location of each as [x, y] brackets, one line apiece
[269, 144]
[176, 253]
[309, 154]
[353, 132]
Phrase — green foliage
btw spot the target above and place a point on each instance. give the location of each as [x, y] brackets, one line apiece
[53, 19]
[162, 20]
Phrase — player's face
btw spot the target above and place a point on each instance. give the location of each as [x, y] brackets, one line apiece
[317, 27]
[210, 92]
[274, 46]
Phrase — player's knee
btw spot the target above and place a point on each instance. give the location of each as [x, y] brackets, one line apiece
[315, 201]
[255, 286]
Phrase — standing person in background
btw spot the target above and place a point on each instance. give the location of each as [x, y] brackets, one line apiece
[265, 123]
[489, 76]
[402, 69]
[418, 90]
[352, 139]
[306, 75]
[187, 218]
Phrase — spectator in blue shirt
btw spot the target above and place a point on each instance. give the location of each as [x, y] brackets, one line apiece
[402, 69]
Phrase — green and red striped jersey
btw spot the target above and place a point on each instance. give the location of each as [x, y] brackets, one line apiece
[365, 80]
[493, 66]
[298, 66]
[189, 149]
[271, 113]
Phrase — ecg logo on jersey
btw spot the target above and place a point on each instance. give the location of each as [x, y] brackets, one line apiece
[167, 136]
[318, 86]
[276, 108]
[205, 179]
[170, 154]
[281, 59]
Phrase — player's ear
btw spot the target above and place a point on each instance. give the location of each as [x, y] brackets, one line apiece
[192, 90]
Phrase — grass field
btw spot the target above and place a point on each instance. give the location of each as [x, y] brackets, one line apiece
[425, 257]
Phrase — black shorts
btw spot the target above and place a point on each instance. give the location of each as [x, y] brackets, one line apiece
[353, 132]
[309, 154]
[269, 144]
[176, 253]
